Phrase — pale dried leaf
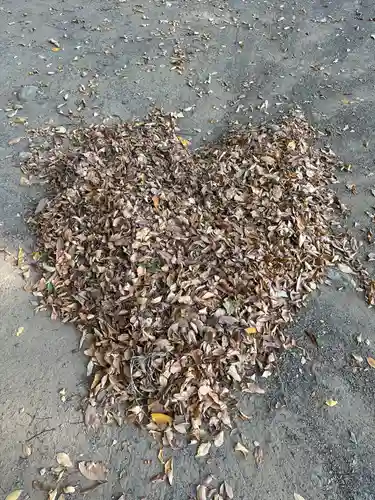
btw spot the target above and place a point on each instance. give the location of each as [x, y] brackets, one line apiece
[14, 495]
[219, 439]
[241, 448]
[203, 449]
[95, 471]
[64, 460]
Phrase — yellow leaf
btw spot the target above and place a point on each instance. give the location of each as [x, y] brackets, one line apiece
[345, 101]
[251, 330]
[161, 418]
[20, 331]
[14, 495]
[371, 362]
[183, 141]
[52, 494]
[20, 257]
[298, 497]
[291, 145]
[97, 378]
[331, 402]
[56, 49]
[20, 119]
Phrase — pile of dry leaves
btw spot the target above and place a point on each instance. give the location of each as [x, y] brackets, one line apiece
[181, 269]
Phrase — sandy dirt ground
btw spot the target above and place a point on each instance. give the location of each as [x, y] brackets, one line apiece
[245, 61]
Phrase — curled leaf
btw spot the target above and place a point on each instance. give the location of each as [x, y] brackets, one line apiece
[240, 447]
[95, 471]
[168, 470]
[203, 449]
[161, 418]
[331, 402]
[160, 456]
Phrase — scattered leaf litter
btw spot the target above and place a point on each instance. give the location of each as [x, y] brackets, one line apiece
[181, 269]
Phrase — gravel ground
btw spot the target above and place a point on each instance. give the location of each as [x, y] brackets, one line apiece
[216, 62]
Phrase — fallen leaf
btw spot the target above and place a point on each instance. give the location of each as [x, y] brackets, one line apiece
[345, 101]
[183, 141]
[345, 269]
[52, 494]
[91, 417]
[64, 460]
[312, 337]
[251, 330]
[219, 439]
[241, 448]
[95, 471]
[158, 478]
[291, 145]
[156, 200]
[203, 449]
[69, 489]
[14, 495]
[160, 456]
[371, 362]
[20, 331]
[254, 389]
[298, 497]
[41, 206]
[16, 140]
[201, 492]
[168, 470]
[20, 120]
[20, 257]
[331, 402]
[26, 450]
[258, 455]
[358, 358]
[161, 418]
[61, 497]
[56, 49]
[228, 490]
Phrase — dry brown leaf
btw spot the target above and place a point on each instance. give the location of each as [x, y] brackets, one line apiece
[241, 448]
[161, 418]
[95, 471]
[203, 449]
[371, 362]
[64, 460]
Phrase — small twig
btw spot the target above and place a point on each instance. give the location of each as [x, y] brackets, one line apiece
[40, 433]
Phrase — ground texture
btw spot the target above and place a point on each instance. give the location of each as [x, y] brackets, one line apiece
[216, 62]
